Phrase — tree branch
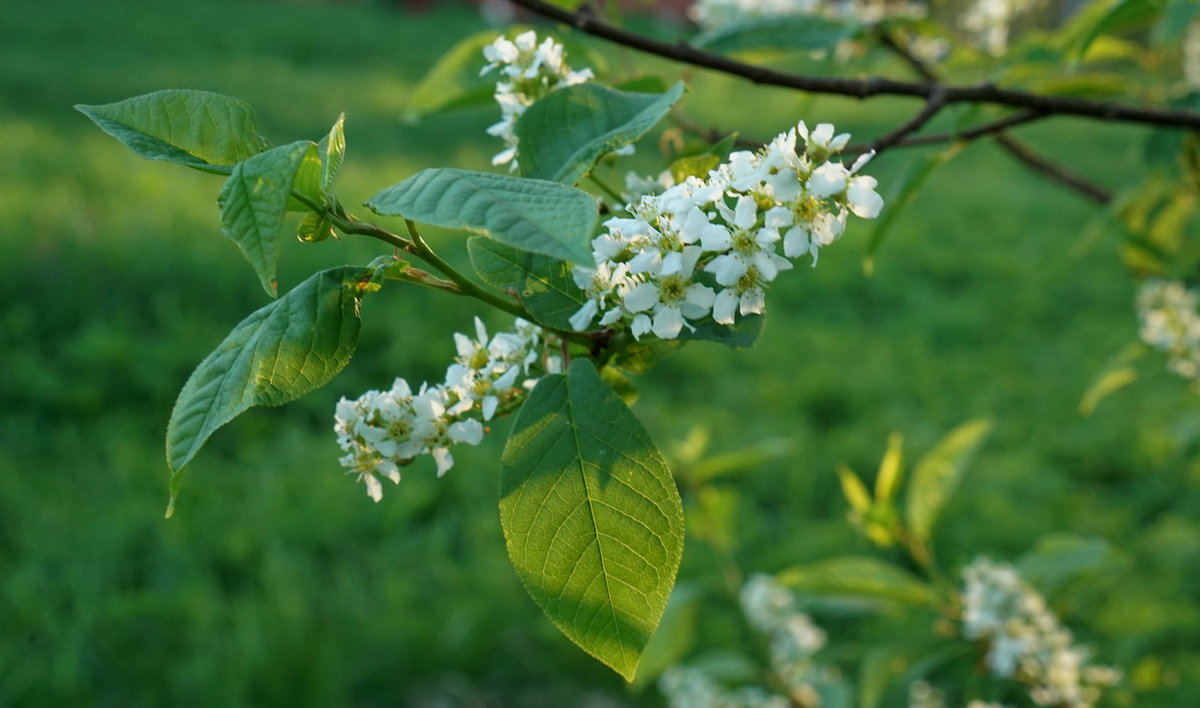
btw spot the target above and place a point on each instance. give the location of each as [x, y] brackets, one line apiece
[1027, 155]
[868, 87]
[1016, 148]
[935, 103]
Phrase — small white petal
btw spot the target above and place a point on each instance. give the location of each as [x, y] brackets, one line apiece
[642, 298]
[581, 319]
[724, 307]
[668, 322]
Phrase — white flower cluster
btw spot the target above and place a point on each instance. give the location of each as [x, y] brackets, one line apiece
[382, 431]
[987, 23]
[1025, 640]
[728, 226]
[528, 71]
[714, 13]
[770, 608]
[921, 694]
[1169, 322]
[1191, 55]
[689, 687]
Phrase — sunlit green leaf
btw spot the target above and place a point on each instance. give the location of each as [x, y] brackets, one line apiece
[591, 516]
[205, 131]
[937, 474]
[561, 136]
[284, 350]
[333, 151]
[853, 489]
[254, 200]
[889, 469]
[530, 214]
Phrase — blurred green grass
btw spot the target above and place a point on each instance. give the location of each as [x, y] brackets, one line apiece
[277, 582]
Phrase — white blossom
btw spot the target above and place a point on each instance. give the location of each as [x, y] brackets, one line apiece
[709, 247]
[527, 71]
[1025, 640]
[382, 431]
[1169, 322]
[987, 23]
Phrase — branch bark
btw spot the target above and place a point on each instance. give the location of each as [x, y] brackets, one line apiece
[872, 86]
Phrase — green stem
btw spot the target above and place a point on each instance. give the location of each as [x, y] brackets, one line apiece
[612, 193]
[418, 247]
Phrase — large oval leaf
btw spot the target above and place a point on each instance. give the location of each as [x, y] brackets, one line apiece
[292, 346]
[562, 136]
[591, 516]
[530, 214]
[543, 284]
[255, 198]
[203, 130]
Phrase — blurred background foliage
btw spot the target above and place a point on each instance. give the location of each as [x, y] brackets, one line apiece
[278, 582]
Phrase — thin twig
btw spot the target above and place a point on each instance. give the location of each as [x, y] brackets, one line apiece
[935, 103]
[1025, 154]
[1016, 148]
[868, 87]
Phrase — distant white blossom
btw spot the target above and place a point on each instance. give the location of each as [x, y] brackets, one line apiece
[793, 638]
[1025, 640]
[382, 431]
[1169, 322]
[923, 695]
[987, 23]
[714, 13]
[708, 248]
[527, 71]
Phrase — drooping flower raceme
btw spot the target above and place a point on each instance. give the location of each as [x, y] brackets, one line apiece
[527, 71]
[1025, 640]
[709, 248]
[382, 431]
[1169, 322]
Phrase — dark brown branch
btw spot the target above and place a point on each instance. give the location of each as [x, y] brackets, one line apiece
[868, 87]
[1015, 147]
[935, 103]
[1025, 154]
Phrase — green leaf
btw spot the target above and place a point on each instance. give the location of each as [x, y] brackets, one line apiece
[853, 489]
[308, 181]
[1057, 559]
[592, 519]
[314, 228]
[1109, 382]
[543, 284]
[937, 474]
[454, 80]
[675, 637]
[742, 334]
[803, 32]
[530, 214]
[333, 150]
[253, 203]
[889, 469]
[693, 166]
[205, 131]
[1121, 16]
[903, 193]
[561, 137]
[279, 353]
[859, 576]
